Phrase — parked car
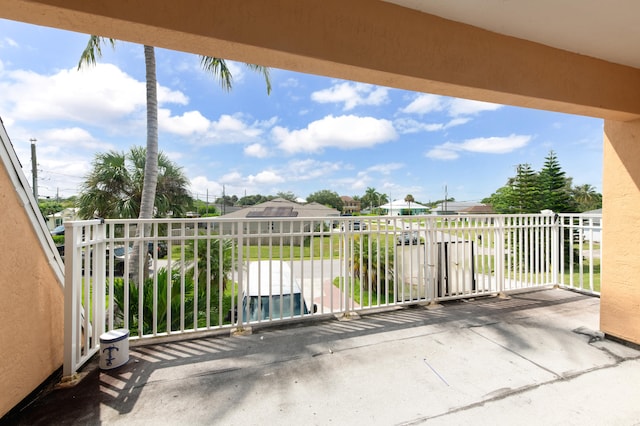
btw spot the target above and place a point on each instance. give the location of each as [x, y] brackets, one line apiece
[119, 258]
[355, 225]
[58, 230]
[407, 238]
[271, 293]
[162, 248]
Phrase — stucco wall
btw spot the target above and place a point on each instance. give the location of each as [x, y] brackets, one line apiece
[31, 304]
[620, 301]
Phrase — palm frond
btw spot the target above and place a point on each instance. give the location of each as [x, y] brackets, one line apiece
[265, 72]
[93, 50]
[218, 68]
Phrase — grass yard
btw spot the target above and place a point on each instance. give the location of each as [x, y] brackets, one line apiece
[577, 275]
[365, 297]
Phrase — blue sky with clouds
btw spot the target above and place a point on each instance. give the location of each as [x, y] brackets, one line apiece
[311, 133]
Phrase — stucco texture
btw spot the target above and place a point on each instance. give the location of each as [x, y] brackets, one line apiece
[31, 304]
[620, 299]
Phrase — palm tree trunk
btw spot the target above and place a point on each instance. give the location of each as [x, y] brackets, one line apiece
[151, 163]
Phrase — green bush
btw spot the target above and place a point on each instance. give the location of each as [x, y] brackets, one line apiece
[216, 258]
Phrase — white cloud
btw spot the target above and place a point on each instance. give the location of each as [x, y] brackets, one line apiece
[491, 145]
[237, 71]
[454, 107]
[186, 124]
[457, 122]
[442, 153]
[385, 169]
[201, 185]
[290, 82]
[424, 104]
[232, 178]
[230, 129]
[71, 134]
[310, 169]
[266, 177]
[408, 125]
[343, 132]
[7, 41]
[458, 107]
[271, 180]
[352, 95]
[349, 183]
[256, 150]
[100, 96]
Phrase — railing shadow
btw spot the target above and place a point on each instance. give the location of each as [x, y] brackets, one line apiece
[232, 365]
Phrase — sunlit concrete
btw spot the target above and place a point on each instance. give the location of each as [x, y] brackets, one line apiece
[535, 358]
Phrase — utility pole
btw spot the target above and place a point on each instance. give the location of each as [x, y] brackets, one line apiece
[445, 198]
[34, 168]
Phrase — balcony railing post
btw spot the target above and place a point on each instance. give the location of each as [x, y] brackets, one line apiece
[555, 250]
[100, 280]
[347, 253]
[71, 300]
[241, 284]
[499, 238]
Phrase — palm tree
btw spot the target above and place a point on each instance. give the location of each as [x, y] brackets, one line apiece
[370, 195]
[586, 197]
[409, 199]
[113, 188]
[372, 264]
[216, 66]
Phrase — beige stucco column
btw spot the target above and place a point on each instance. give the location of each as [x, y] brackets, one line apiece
[620, 300]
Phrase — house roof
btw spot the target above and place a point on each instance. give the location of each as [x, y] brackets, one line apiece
[479, 209]
[273, 212]
[280, 207]
[402, 204]
[596, 211]
[456, 206]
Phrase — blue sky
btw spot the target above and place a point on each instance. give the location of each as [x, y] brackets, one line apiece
[311, 133]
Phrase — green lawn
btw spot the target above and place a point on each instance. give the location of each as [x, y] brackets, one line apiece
[585, 275]
[365, 298]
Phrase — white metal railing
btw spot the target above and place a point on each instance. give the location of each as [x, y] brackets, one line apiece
[205, 274]
[580, 244]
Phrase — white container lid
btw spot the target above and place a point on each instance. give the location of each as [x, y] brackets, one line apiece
[114, 335]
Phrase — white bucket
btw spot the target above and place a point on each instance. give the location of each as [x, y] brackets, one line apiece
[114, 348]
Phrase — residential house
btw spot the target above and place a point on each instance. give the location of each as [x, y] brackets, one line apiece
[262, 220]
[478, 209]
[401, 207]
[65, 215]
[457, 207]
[349, 205]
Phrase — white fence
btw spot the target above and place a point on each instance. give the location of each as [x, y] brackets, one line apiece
[194, 272]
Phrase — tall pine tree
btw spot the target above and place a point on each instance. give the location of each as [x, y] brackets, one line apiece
[528, 197]
[555, 187]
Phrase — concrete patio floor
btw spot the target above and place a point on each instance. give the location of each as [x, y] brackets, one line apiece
[531, 359]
